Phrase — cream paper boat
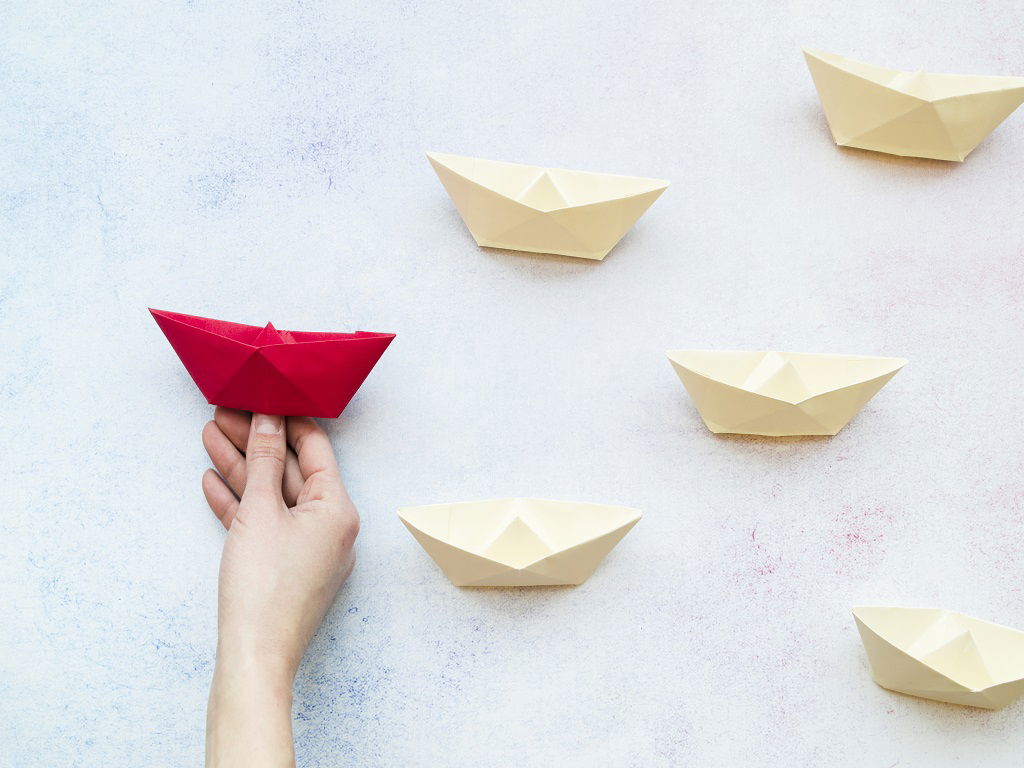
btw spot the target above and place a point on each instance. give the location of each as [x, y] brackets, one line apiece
[917, 114]
[518, 542]
[780, 393]
[943, 655]
[544, 210]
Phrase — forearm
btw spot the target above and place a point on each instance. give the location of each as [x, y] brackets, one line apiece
[249, 717]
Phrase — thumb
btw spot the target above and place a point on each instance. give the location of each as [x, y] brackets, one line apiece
[265, 455]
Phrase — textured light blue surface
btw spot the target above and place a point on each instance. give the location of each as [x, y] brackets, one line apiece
[265, 161]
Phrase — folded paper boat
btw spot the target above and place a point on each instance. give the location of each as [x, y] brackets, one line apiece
[780, 393]
[544, 210]
[518, 542]
[943, 655]
[293, 373]
[917, 114]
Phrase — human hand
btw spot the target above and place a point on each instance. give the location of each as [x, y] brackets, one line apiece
[288, 550]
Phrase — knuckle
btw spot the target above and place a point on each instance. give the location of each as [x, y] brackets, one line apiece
[236, 476]
[300, 441]
[267, 453]
[236, 465]
[349, 529]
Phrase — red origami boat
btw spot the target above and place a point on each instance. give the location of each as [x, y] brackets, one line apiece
[291, 373]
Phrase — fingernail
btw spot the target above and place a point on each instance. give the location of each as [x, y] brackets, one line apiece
[267, 425]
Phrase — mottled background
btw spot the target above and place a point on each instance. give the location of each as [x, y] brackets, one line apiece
[265, 162]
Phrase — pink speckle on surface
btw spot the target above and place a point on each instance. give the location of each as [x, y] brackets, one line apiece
[858, 538]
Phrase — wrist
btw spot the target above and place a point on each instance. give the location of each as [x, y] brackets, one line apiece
[252, 665]
[249, 714]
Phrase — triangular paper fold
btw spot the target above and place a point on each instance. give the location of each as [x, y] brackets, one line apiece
[780, 393]
[518, 542]
[917, 114]
[943, 655]
[544, 210]
[266, 370]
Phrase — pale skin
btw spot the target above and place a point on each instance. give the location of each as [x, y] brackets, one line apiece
[290, 530]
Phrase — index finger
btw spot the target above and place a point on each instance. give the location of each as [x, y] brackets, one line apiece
[312, 448]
